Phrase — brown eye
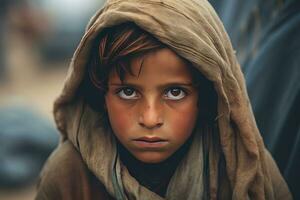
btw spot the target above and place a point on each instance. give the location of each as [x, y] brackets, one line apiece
[175, 93]
[127, 93]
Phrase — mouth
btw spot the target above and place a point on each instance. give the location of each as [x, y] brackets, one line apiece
[150, 142]
[150, 139]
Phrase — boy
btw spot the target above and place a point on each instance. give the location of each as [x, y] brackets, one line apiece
[155, 107]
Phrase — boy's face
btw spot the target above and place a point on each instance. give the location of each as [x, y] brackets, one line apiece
[153, 113]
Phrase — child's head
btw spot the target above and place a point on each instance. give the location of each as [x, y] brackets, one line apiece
[175, 86]
[151, 95]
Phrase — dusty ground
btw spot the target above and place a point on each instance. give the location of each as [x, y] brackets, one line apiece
[29, 78]
[26, 193]
[39, 88]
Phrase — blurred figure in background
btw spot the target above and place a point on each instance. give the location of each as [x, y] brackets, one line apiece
[266, 37]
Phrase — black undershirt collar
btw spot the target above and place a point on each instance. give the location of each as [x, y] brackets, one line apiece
[155, 177]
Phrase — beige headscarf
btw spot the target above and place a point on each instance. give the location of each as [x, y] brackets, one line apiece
[193, 30]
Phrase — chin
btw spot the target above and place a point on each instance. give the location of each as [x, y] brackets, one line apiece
[151, 157]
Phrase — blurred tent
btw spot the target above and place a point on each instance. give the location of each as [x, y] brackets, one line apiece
[265, 35]
[27, 139]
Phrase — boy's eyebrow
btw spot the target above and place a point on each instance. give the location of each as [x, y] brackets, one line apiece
[172, 84]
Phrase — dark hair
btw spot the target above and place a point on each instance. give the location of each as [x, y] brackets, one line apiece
[117, 47]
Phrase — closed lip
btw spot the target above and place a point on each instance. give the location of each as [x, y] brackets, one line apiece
[150, 143]
[150, 139]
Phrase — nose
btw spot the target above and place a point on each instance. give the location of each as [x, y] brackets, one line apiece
[151, 115]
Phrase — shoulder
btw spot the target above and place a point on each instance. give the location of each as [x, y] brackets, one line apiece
[65, 176]
[64, 162]
[280, 187]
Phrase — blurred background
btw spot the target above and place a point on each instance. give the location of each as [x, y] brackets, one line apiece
[38, 38]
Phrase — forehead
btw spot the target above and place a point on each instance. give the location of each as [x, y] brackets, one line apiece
[161, 65]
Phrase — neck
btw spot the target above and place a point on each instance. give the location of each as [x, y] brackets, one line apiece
[155, 177]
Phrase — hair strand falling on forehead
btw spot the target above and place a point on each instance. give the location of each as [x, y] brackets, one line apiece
[116, 49]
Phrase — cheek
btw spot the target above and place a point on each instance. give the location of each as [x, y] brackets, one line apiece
[120, 116]
[183, 119]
